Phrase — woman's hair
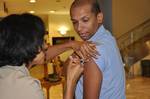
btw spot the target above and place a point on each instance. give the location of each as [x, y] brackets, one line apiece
[21, 39]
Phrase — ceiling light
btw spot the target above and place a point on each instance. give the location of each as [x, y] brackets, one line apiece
[31, 11]
[32, 1]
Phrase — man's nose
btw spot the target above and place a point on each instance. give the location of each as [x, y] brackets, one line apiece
[80, 27]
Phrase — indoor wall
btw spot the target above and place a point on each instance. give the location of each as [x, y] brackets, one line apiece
[126, 14]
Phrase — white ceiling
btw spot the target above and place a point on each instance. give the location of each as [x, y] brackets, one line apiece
[40, 7]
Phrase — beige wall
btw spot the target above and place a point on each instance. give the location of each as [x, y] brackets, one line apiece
[55, 21]
[126, 14]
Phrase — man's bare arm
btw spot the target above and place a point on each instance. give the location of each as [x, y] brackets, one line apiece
[92, 80]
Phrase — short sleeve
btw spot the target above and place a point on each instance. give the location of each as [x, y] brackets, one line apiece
[31, 88]
[100, 61]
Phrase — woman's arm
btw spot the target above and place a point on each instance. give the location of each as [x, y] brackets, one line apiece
[83, 49]
[74, 70]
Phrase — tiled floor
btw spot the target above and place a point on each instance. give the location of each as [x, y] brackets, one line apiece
[138, 88]
[56, 92]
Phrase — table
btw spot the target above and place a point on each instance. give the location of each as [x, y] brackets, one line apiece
[47, 84]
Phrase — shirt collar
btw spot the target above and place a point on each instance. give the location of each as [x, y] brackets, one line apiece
[98, 33]
[22, 68]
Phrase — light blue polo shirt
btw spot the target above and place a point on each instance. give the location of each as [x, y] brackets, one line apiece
[111, 65]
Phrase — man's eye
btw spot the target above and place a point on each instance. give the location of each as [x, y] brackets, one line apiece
[74, 22]
[85, 20]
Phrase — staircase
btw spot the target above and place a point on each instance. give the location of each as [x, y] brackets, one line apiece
[135, 46]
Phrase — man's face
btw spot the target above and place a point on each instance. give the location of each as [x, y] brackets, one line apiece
[85, 21]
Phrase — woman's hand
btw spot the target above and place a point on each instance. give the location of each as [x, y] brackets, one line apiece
[84, 49]
[74, 70]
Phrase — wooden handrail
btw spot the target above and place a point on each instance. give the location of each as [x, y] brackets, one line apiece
[127, 38]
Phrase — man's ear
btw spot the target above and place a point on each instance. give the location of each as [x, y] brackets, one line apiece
[100, 17]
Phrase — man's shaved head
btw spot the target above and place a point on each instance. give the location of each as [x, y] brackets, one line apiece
[95, 6]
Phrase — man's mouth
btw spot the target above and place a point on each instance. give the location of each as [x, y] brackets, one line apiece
[83, 36]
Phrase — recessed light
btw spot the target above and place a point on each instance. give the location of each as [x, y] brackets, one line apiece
[32, 1]
[31, 11]
[52, 11]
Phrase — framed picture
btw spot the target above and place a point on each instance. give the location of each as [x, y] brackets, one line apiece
[1, 18]
[60, 40]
